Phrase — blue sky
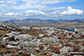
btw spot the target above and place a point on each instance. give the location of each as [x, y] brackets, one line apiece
[43, 9]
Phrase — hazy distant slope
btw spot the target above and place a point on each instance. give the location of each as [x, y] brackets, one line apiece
[68, 24]
[35, 20]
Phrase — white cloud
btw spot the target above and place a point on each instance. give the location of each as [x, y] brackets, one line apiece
[31, 4]
[41, 14]
[35, 12]
[27, 4]
[56, 1]
[12, 1]
[2, 5]
[68, 11]
[26, 14]
[9, 1]
[4, 8]
[37, 4]
[52, 1]
[71, 11]
[36, 8]
[0, 13]
[10, 14]
[2, 1]
[14, 14]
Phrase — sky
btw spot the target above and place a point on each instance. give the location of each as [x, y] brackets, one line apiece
[41, 9]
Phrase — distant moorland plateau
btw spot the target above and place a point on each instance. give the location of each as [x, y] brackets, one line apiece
[63, 24]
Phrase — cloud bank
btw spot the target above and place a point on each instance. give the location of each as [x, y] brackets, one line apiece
[37, 8]
[68, 11]
[71, 11]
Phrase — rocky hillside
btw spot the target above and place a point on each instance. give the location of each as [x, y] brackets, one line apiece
[39, 41]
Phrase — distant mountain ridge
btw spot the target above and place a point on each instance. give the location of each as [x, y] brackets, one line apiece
[62, 24]
[32, 20]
